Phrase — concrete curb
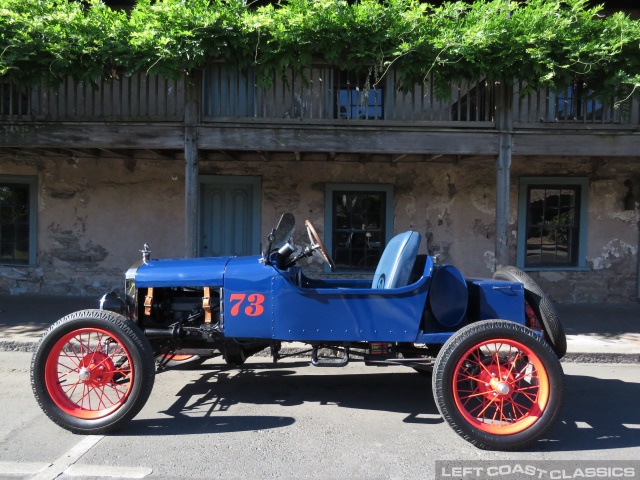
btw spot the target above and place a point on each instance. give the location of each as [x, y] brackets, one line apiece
[598, 357]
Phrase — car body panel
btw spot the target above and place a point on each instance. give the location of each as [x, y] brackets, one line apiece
[261, 301]
[182, 272]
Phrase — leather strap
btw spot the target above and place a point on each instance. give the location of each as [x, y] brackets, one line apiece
[206, 305]
[148, 301]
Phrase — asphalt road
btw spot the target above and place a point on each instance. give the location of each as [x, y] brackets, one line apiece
[292, 420]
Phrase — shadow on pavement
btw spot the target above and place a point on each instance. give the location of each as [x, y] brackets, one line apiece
[598, 413]
[199, 402]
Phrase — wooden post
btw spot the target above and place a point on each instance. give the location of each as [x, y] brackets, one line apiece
[191, 182]
[504, 124]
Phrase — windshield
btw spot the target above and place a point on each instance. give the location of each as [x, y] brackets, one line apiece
[284, 230]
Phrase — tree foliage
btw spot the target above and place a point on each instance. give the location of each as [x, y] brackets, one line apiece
[542, 42]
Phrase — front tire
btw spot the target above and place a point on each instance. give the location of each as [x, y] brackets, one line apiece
[92, 371]
[498, 385]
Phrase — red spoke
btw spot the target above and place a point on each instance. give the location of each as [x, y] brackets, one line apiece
[101, 396]
[530, 397]
[495, 413]
[71, 386]
[483, 405]
[525, 410]
[480, 394]
[71, 370]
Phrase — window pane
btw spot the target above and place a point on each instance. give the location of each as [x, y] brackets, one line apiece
[358, 229]
[14, 223]
[355, 100]
[552, 226]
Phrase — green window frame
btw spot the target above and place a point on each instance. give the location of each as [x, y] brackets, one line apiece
[18, 207]
[552, 223]
[356, 236]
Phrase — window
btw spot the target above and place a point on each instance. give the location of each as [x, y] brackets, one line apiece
[574, 104]
[358, 224]
[17, 220]
[356, 99]
[552, 219]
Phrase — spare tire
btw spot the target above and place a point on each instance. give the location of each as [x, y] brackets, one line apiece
[539, 308]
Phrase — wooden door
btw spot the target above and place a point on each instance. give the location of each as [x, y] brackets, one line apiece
[229, 216]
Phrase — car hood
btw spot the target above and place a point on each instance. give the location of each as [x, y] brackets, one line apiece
[181, 272]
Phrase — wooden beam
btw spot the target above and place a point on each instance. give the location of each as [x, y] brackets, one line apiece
[93, 135]
[384, 139]
[192, 182]
[580, 143]
[504, 123]
[345, 139]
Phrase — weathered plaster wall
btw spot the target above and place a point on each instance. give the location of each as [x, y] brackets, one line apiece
[449, 203]
[613, 237]
[94, 215]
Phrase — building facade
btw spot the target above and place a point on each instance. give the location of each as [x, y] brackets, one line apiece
[548, 181]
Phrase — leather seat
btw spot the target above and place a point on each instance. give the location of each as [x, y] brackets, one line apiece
[397, 261]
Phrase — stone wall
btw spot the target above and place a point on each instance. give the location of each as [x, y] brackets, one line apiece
[95, 214]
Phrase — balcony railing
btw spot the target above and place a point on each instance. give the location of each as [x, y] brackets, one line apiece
[323, 95]
[135, 98]
[571, 107]
[327, 94]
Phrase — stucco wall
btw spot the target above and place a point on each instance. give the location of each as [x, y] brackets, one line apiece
[612, 243]
[95, 214]
[92, 218]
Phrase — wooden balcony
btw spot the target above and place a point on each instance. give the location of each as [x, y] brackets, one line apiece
[325, 111]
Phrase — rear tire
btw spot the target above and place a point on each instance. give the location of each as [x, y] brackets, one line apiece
[540, 310]
[498, 385]
[92, 371]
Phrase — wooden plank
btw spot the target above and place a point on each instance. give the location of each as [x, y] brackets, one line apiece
[152, 95]
[170, 98]
[341, 139]
[94, 135]
[125, 96]
[579, 144]
[134, 92]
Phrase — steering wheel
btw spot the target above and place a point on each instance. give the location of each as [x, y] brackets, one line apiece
[316, 244]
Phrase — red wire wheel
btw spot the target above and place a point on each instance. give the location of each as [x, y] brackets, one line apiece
[498, 384]
[88, 373]
[500, 387]
[92, 371]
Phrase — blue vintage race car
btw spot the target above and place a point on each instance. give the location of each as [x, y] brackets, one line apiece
[492, 346]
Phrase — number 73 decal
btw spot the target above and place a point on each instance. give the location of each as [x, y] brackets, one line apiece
[252, 304]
